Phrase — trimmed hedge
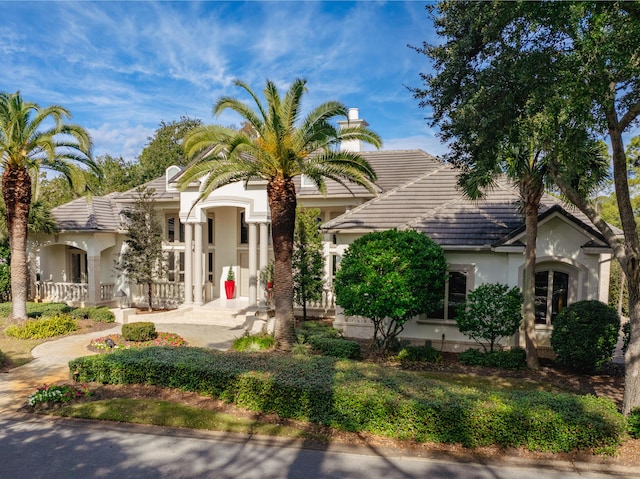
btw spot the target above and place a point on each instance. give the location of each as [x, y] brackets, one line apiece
[369, 398]
[414, 354]
[139, 331]
[335, 347]
[43, 328]
[99, 314]
[510, 359]
[37, 310]
[634, 423]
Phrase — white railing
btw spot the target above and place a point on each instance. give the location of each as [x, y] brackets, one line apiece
[326, 306]
[61, 292]
[166, 294]
[106, 292]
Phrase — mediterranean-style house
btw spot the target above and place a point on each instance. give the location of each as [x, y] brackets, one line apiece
[483, 241]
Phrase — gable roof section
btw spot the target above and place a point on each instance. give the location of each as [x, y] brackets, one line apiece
[433, 204]
[97, 214]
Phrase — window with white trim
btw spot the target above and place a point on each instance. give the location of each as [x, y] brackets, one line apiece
[552, 295]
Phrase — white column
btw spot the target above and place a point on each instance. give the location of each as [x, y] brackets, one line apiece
[188, 263]
[253, 257]
[93, 280]
[264, 259]
[197, 266]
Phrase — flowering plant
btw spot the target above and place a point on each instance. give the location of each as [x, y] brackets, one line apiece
[58, 394]
[116, 341]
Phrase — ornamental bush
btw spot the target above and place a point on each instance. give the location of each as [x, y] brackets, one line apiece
[491, 312]
[509, 359]
[139, 331]
[585, 334]
[99, 314]
[634, 423]
[42, 328]
[412, 354]
[390, 277]
[370, 398]
[335, 347]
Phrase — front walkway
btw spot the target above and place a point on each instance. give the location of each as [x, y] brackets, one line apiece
[51, 359]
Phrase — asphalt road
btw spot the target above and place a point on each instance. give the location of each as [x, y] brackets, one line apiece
[33, 447]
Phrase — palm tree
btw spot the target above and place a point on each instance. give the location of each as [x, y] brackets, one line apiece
[279, 148]
[27, 145]
[525, 163]
[532, 159]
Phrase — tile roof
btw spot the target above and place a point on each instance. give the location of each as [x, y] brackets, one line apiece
[99, 213]
[433, 204]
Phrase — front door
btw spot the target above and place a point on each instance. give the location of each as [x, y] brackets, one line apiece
[78, 267]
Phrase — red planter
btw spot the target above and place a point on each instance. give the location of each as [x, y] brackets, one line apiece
[269, 286]
[230, 288]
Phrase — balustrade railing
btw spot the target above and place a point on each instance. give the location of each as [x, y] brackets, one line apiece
[165, 294]
[61, 292]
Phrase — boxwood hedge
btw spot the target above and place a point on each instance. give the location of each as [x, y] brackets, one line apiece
[357, 396]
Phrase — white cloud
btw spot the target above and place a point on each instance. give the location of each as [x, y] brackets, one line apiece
[127, 141]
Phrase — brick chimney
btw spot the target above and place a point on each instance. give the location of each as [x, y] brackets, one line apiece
[354, 120]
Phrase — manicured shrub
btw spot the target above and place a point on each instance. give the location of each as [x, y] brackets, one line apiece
[509, 359]
[425, 354]
[254, 343]
[139, 331]
[335, 347]
[634, 423]
[306, 329]
[370, 398]
[585, 335]
[491, 312]
[46, 327]
[37, 310]
[100, 314]
[390, 277]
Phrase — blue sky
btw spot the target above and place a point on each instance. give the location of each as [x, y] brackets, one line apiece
[122, 67]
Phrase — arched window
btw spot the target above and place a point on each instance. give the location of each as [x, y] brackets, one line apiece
[552, 295]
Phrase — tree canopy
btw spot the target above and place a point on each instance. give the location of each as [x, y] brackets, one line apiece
[574, 63]
[278, 144]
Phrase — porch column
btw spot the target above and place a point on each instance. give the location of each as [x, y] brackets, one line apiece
[253, 257]
[188, 263]
[197, 267]
[264, 259]
[93, 280]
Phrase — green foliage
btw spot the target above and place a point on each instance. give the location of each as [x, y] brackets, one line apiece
[369, 398]
[426, 354]
[45, 327]
[615, 283]
[165, 148]
[36, 310]
[585, 335]
[307, 329]
[390, 277]
[325, 339]
[307, 259]
[335, 347]
[58, 394]
[253, 343]
[139, 331]
[143, 259]
[634, 423]
[491, 312]
[504, 359]
[99, 314]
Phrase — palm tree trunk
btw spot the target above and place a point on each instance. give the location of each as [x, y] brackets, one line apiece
[531, 200]
[16, 192]
[282, 202]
